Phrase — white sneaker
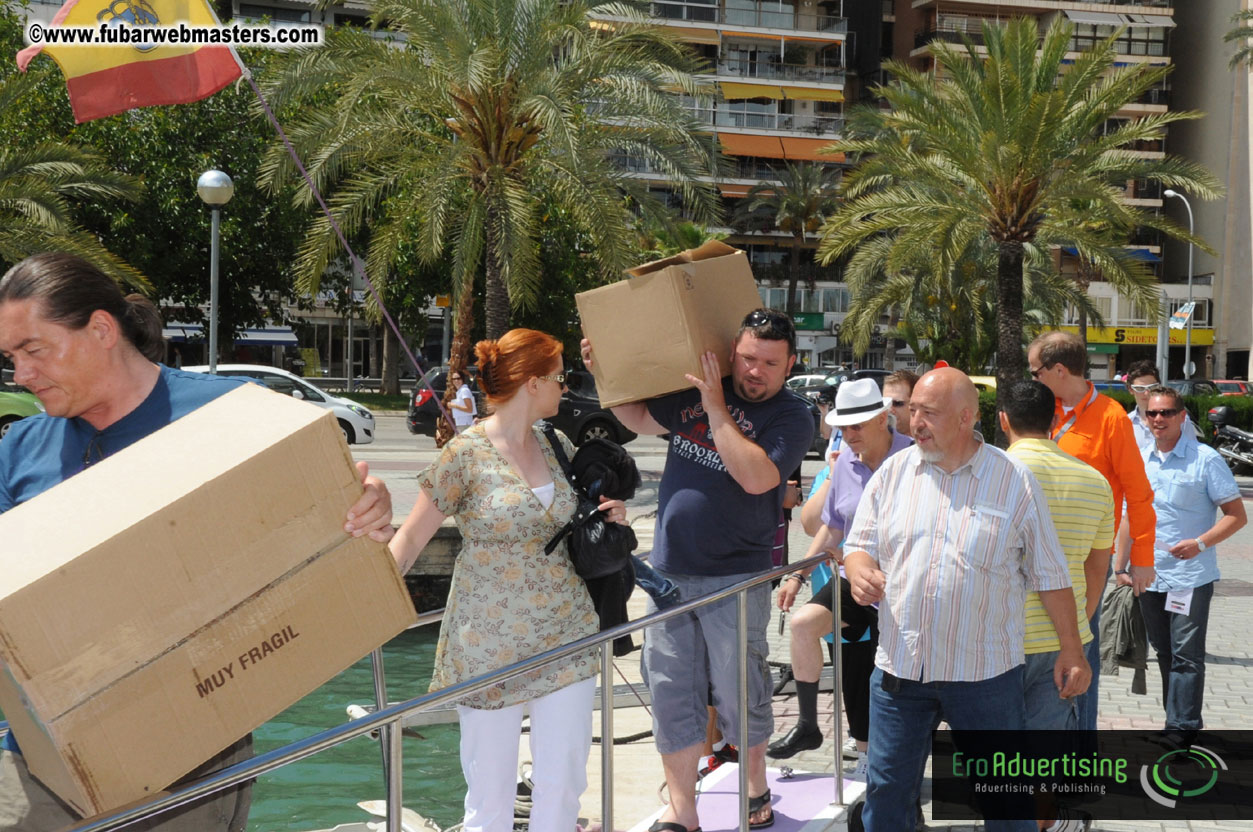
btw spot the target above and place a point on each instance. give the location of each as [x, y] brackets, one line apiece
[858, 771]
[849, 750]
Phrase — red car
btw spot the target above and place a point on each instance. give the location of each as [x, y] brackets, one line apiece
[1234, 387]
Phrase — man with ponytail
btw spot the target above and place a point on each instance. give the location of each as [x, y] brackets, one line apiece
[90, 354]
[733, 443]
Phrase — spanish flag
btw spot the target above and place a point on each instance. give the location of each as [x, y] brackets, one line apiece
[106, 80]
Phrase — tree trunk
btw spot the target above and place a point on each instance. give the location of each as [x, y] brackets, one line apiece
[1010, 361]
[497, 294]
[390, 383]
[1084, 279]
[793, 276]
[458, 352]
[889, 343]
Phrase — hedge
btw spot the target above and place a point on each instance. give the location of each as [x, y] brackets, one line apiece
[1198, 408]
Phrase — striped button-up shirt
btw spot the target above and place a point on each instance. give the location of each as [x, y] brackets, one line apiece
[959, 552]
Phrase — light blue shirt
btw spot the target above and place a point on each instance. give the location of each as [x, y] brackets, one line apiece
[1189, 484]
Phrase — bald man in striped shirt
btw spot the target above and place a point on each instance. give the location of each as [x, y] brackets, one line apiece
[949, 537]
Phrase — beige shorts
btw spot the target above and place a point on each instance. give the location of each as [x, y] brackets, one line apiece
[27, 806]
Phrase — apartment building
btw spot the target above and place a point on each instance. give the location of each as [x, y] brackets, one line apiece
[1222, 142]
[1147, 37]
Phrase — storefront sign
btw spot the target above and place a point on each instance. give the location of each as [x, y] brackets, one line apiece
[1141, 335]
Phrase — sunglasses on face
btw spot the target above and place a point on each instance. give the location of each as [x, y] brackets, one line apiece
[1141, 388]
[560, 378]
[1035, 374]
[1161, 414]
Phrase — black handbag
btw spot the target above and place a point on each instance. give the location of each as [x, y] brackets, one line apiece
[597, 548]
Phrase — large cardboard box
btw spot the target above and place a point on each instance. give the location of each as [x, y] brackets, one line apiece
[164, 602]
[650, 330]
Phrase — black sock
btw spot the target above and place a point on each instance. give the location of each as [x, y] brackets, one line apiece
[807, 703]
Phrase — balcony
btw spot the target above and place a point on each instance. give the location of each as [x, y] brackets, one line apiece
[763, 16]
[802, 73]
[781, 122]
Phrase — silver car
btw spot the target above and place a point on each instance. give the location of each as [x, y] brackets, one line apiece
[355, 420]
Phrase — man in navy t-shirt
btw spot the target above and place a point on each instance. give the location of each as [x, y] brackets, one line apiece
[87, 352]
[733, 442]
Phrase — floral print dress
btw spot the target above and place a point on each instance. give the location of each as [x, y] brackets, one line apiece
[509, 600]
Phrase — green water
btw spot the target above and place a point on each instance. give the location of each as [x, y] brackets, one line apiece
[323, 790]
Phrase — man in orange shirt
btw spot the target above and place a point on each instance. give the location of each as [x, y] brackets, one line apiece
[1096, 429]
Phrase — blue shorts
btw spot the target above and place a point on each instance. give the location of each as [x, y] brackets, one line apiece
[688, 657]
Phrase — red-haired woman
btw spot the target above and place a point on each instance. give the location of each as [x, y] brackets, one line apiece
[509, 600]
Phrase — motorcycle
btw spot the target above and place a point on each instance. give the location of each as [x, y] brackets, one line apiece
[1235, 445]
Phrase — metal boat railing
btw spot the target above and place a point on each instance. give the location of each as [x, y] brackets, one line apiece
[387, 718]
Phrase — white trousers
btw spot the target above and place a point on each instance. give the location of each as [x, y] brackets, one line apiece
[561, 737]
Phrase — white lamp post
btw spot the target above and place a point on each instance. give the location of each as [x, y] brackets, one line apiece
[216, 189]
[1187, 349]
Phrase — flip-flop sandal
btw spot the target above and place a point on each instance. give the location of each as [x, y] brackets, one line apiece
[670, 826]
[755, 805]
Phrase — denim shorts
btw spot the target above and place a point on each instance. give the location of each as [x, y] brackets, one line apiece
[691, 661]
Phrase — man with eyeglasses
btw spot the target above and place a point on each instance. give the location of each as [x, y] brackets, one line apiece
[733, 443]
[1192, 485]
[1095, 429]
[1142, 377]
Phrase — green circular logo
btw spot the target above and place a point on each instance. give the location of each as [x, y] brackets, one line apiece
[1180, 774]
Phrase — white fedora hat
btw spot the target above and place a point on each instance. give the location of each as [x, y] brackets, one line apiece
[856, 402]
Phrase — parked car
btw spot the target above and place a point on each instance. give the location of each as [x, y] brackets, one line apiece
[1234, 387]
[424, 412]
[877, 375]
[355, 420]
[1194, 387]
[815, 387]
[580, 416]
[16, 403]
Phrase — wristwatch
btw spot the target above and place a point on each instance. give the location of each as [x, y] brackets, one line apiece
[1200, 545]
[1123, 572]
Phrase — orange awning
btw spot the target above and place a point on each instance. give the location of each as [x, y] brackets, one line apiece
[738, 144]
[732, 90]
[693, 34]
[811, 94]
[807, 150]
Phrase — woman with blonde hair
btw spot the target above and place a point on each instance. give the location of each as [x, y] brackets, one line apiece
[509, 600]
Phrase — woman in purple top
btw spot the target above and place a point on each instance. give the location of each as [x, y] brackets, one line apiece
[869, 438]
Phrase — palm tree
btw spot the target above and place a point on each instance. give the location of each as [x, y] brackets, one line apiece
[657, 240]
[1242, 34]
[39, 185]
[475, 117]
[1018, 147]
[798, 205]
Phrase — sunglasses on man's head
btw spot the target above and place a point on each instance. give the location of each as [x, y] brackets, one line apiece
[1163, 414]
[763, 318]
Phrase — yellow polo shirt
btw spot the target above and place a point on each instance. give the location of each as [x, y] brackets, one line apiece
[1082, 507]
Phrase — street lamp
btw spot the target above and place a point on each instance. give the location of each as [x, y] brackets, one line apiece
[216, 189]
[1187, 349]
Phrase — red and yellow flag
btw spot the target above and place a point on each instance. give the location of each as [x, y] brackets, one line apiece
[104, 80]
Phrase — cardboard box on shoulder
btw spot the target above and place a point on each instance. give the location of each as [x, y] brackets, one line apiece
[649, 330]
[169, 599]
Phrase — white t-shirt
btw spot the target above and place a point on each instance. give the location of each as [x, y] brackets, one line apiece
[459, 417]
